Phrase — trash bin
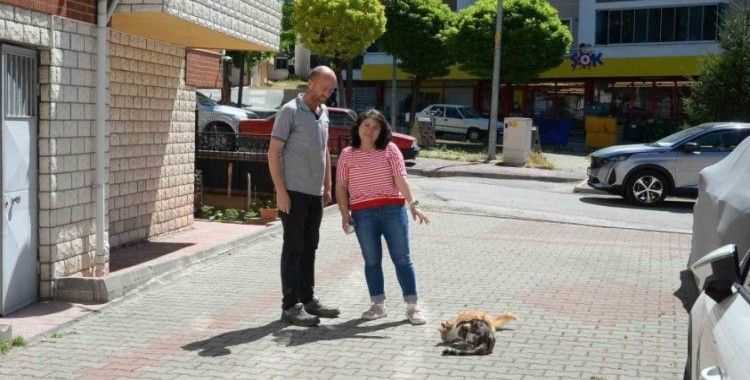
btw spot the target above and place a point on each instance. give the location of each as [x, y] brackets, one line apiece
[601, 132]
[516, 140]
[553, 131]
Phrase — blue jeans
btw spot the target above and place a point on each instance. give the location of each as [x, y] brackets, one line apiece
[392, 223]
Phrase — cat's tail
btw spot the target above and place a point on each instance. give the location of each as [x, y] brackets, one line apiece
[481, 350]
[503, 319]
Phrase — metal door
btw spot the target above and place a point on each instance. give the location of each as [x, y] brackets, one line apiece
[18, 104]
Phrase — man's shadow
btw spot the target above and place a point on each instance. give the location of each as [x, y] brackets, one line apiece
[218, 345]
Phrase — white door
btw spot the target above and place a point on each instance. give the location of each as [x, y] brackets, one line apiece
[18, 103]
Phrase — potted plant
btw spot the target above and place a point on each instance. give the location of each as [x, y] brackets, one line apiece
[268, 210]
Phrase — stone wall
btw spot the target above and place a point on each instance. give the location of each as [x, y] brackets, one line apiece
[152, 137]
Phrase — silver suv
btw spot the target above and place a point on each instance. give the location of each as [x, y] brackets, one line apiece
[645, 174]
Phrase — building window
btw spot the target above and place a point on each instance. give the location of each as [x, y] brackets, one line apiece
[694, 23]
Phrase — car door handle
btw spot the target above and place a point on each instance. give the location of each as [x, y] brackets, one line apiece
[711, 373]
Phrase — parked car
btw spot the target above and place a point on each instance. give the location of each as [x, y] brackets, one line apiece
[458, 119]
[718, 330]
[258, 112]
[218, 124]
[719, 322]
[339, 131]
[645, 174]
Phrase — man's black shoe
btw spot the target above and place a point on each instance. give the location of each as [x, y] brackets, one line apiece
[314, 307]
[297, 316]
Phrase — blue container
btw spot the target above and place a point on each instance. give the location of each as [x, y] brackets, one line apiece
[553, 131]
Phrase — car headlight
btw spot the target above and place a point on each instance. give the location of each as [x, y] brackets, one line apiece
[614, 159]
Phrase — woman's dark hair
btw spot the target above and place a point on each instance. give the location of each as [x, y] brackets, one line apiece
[385, 129]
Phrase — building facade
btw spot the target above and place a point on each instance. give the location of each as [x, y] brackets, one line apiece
[49, 126]
[630, 59]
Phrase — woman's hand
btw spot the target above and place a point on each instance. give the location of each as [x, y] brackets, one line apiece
[417, 214]
[345, 216]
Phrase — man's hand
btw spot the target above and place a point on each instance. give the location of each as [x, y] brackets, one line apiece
[327, 196]
[283, 202]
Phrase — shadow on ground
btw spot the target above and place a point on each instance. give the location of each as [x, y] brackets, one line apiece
[687, 293]
[353, 329]
[676, 206]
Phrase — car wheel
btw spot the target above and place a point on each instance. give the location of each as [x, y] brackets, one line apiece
[473, 134]
[218, 136]
[646, 188]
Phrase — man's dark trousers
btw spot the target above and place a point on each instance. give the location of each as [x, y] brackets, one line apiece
[301, 235]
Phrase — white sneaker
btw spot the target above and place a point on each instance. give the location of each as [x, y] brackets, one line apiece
[376, 311]
[415, 315]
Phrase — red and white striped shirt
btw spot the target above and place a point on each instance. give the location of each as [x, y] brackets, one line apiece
[370, 176]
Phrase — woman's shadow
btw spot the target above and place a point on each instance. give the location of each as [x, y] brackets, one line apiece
[217, 345]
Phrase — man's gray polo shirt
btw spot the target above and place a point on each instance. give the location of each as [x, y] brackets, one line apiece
[305, 138]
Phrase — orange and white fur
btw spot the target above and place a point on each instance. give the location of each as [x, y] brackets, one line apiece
[449, 331]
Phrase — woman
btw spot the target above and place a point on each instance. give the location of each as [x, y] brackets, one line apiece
[371, 183]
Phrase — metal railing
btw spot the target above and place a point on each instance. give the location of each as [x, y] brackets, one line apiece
[250, 143]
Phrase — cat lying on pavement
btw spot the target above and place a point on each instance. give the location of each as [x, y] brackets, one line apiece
[474, 331]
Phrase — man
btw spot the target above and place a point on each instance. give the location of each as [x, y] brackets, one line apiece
[300, 167]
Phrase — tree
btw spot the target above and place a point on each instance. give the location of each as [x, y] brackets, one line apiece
[722, 90]
[288, 37]
[339, 30]
[533, 39]
[416, 35]
[246, 61]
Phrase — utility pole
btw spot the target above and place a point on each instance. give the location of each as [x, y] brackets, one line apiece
[393, 95]
[492, 138]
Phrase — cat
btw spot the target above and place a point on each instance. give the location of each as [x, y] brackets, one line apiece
[474, 330]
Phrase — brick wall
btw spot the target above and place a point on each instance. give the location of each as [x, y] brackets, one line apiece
[152, 113]
[82, 10]
[203, 69]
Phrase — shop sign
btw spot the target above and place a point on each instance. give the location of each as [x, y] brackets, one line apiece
[584, 58]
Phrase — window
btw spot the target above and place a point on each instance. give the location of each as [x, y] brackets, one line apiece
[695, 33]
[452, 113]
[602, 25]
[640, 25]
[694, 23]
[667, 24]
[341, 120]
[437, 110]
[615, 27]
[722, 141]
[654, 25]
[628, 19]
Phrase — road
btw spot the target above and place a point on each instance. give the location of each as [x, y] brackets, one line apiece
[553, 202]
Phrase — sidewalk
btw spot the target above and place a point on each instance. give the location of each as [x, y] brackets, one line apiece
[149, 263]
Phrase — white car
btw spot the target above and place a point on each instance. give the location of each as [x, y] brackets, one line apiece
[216, 124]
[719, 327]
[458, 119]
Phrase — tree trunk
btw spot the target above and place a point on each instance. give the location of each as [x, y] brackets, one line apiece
[349, 80]
[340, 83]
[414, 123]
[242, 84]
[226, 84]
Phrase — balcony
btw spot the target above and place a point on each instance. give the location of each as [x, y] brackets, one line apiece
[207, 24]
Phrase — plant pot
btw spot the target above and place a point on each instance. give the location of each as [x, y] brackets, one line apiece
[269, 213]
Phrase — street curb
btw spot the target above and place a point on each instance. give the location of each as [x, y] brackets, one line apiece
[463, 173]
[583, 188]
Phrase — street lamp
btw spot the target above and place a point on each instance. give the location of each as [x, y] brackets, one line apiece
[492, 138]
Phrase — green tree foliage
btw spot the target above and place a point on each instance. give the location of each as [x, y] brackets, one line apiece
[338, 29]
[416, 35]
[246, 61]
[722, 91]
[533, 39]
[288, 36]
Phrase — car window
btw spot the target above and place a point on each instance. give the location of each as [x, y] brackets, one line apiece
[682, 135]
[453, 113]
[205, 100]
[439, 111]
[469, 113]
[721, 141]
[341, 120]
